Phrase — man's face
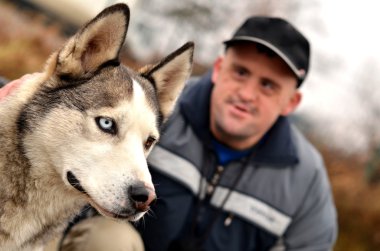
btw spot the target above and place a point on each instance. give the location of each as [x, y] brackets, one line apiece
[251, 90]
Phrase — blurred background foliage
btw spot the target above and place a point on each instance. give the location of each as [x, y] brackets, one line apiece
[29, 35]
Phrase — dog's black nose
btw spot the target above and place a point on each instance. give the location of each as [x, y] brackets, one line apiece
[139, 193]
[141, 196]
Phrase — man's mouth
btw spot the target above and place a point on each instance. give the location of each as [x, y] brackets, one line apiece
[241, 107]
[242, 110]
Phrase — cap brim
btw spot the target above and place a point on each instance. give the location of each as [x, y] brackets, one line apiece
[299, 73]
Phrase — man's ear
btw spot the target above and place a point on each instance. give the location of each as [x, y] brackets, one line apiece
[293, 103]
[97, 43]
[216, 69]
[169, 77]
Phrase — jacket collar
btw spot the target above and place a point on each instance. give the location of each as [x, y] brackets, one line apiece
[276, 148]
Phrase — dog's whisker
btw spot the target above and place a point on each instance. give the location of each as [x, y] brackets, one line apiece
[83, 210]
[151, 213]
[143, 221]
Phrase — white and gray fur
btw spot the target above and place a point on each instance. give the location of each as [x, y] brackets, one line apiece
[80, 133]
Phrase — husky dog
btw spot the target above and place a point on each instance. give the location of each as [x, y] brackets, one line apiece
[80, 133]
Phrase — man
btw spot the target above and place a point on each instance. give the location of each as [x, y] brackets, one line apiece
[232, 173]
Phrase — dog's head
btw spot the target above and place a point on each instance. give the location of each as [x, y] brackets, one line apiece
[95, 120]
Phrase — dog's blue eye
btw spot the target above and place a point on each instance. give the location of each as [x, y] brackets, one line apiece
[105, 124]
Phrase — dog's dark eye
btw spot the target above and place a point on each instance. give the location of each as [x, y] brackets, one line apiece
[149, 142]
[107, 125]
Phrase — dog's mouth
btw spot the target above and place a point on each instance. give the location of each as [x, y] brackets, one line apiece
[123, 214]
[74, 182]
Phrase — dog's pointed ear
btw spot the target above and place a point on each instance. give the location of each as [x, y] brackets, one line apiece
[169, 77]
[97, 43]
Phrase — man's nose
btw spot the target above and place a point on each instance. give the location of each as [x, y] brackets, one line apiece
[249, 91]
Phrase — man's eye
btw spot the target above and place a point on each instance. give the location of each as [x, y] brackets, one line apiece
[106, 124]
[268, 84]
[241, 72]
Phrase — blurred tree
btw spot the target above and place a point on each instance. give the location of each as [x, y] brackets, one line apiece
[367, 79]
[372, 168]
[367, 93]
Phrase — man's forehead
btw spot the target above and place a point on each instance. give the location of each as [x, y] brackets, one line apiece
[246, 53]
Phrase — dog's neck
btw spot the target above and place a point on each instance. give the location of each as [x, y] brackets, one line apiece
[45, 210]
[36, 205]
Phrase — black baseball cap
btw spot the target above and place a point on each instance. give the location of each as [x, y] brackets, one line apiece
[279, 36]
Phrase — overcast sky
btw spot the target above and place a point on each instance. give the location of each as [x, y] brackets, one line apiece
[352, 24]
[350, 41]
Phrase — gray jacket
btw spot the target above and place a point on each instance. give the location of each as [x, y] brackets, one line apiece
[277, 198]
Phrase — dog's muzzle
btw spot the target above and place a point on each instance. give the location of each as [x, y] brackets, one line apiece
[140, 196]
